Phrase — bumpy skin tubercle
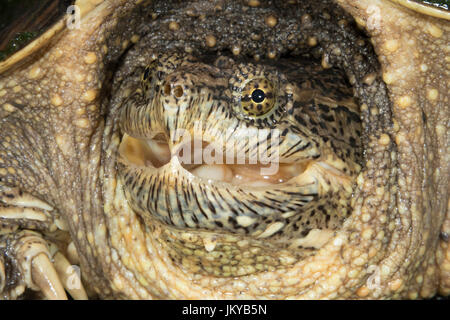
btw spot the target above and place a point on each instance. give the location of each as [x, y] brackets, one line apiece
[63, 186]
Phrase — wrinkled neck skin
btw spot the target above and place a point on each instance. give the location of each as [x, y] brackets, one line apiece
[394, 244]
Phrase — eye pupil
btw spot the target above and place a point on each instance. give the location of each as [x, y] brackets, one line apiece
[258, 95]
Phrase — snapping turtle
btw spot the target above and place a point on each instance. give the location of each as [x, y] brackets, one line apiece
[100, 125]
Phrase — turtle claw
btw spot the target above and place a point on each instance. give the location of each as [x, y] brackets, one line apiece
[39, 263]
[15, 197]
[19, 210]
[46, 278]
[40, 267]
[69, 277]
[2, 274]
[29, 254]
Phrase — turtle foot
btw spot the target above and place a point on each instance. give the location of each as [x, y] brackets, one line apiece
[28, 259]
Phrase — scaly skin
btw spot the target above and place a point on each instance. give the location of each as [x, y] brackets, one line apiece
[60, 155]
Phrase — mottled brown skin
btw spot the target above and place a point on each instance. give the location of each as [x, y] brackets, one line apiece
[57, 147]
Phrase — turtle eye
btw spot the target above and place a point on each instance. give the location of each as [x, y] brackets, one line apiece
[258, 97]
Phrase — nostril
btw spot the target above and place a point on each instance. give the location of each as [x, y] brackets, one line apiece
[178, 91]
[167, 89]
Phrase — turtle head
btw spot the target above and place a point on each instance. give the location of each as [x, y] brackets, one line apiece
[260, 150]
